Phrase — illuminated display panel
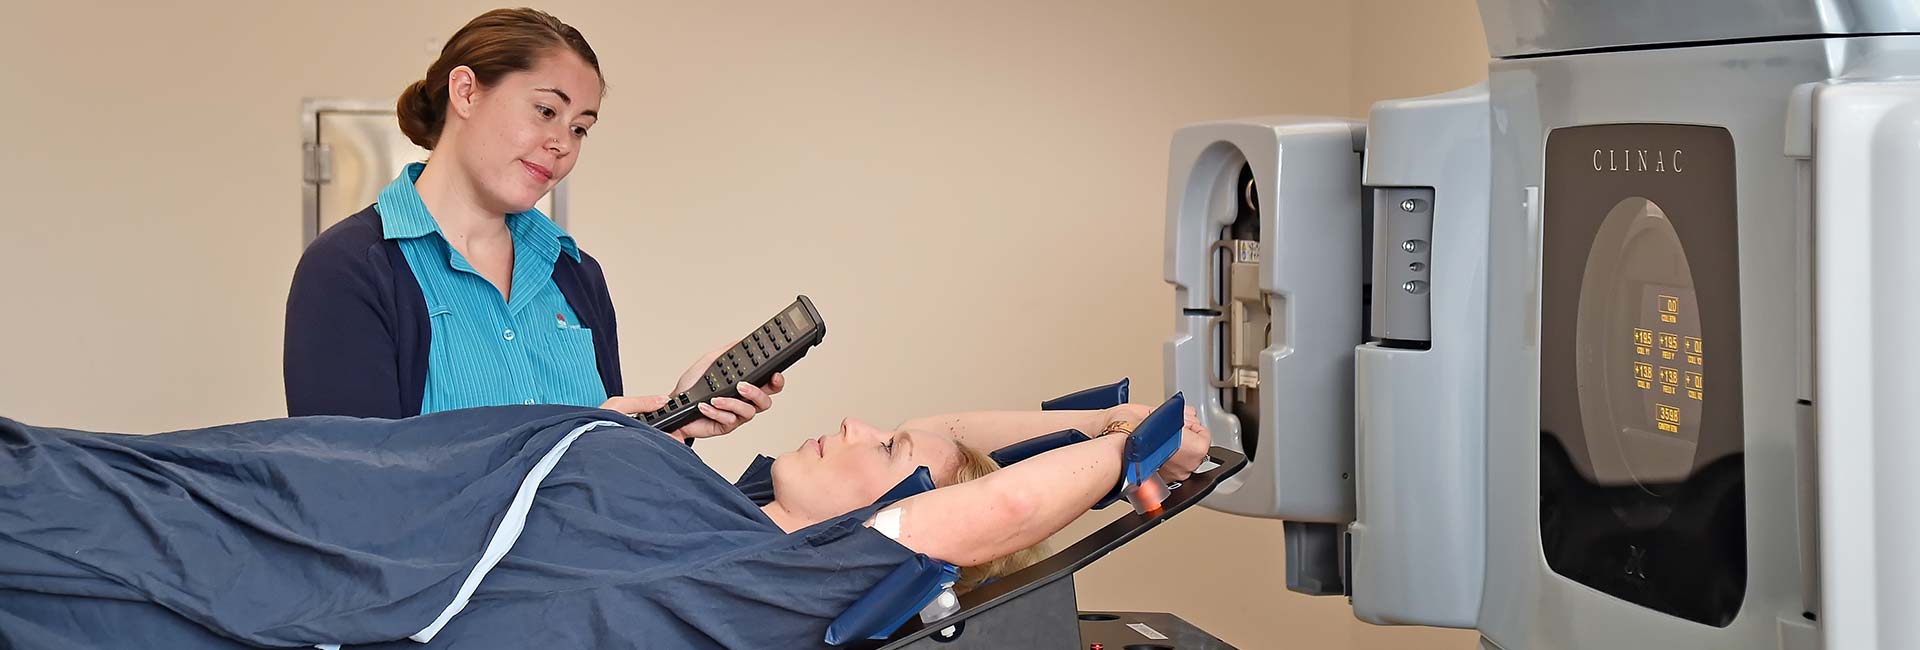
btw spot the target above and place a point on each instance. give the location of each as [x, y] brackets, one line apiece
[1676, 386]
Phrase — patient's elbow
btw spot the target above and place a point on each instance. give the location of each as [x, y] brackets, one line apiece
[1019, 508]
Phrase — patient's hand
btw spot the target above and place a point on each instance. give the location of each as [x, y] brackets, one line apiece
[1195, 439]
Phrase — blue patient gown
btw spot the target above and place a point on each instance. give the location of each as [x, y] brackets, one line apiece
[295, 533]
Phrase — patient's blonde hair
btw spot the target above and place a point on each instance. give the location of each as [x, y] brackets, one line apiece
[974, 464]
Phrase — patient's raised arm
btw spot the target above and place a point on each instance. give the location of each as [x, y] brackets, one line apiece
[992, 430]
[995, 429]
[1009, 510]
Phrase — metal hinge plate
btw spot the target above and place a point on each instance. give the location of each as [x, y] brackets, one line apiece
[317, 163]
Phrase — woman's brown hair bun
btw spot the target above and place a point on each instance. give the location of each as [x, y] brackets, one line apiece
[420, 116]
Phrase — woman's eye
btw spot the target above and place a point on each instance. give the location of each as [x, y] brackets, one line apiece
[544, 111]
[579, 132]
[889, 447]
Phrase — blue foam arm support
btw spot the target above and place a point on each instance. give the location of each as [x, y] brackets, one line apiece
[888, 605]
[1031, 447]
[1098, 397]
[1155, 440]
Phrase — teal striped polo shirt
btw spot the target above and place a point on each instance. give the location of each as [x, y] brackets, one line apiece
[486, 351]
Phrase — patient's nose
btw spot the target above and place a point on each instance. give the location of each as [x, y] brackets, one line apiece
[853, 428]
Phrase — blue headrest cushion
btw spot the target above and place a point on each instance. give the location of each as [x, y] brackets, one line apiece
[888, 605]
[921, 480]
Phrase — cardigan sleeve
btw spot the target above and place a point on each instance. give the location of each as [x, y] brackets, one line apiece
[341, 355]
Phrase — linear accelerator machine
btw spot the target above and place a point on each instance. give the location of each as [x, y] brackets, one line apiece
[1605, 352]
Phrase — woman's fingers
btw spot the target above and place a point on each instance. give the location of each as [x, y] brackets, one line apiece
[725, 413]
[721, 417]
[727, 418]
[634, 404]
[759, 399]
[740, 409]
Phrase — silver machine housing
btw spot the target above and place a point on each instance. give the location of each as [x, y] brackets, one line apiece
[1606, 351]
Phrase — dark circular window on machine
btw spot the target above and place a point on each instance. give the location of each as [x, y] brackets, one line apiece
[1642, 441]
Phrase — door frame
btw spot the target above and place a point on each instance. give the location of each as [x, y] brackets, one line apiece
[316, 160]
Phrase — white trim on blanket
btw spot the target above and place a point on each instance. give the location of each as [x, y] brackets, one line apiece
[507, 533]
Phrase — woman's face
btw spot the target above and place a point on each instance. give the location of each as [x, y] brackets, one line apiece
[848, 470]
[522, 135]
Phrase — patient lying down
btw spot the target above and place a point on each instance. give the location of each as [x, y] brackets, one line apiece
[507, 527]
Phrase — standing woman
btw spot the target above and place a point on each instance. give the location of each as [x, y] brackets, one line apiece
[452, 291]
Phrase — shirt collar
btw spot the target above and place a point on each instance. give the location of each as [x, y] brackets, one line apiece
[404, 216]
[539, 233]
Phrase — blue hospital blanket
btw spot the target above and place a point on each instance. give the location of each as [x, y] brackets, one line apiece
[312, 531]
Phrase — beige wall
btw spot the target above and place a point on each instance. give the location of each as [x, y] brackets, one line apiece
[987, 175]
[1410, 48]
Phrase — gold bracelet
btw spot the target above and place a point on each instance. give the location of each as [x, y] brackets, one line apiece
[1117, 426]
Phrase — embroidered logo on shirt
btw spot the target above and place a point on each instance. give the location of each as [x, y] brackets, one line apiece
[560, 322]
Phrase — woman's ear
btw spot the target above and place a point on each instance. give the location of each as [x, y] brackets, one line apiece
[463, 91]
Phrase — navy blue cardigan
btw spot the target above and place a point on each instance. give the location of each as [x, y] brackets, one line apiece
[357, 331]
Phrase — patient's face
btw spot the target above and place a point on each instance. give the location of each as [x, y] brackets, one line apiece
[849, 469]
